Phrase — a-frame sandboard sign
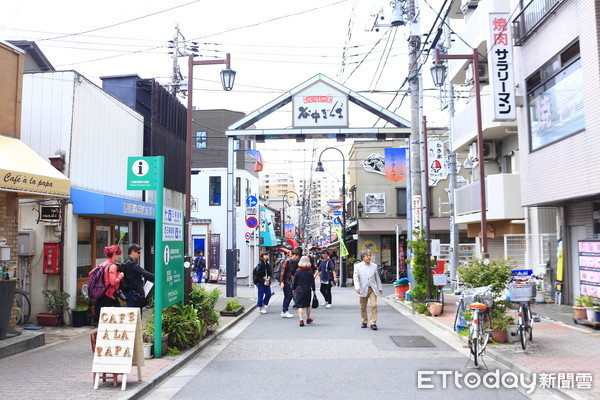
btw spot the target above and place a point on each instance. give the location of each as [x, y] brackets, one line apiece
[118, 344]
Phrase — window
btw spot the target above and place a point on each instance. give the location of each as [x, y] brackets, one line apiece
[400, 201]
[555, 99]
[214, 191]
[238, 189]
[200, 140]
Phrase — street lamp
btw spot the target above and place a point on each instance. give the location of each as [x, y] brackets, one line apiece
[283, 200]
[227, 79]
[342, 239]
[438, 72]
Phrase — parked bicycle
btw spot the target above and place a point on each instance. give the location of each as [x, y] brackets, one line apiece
[522, 288]
[478, 302]
[23, 306]
[386, 273]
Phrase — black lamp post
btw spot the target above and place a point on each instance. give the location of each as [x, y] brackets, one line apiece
[343, 238]
[438, 73]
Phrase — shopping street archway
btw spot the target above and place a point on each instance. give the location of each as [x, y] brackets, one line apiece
[320, 108]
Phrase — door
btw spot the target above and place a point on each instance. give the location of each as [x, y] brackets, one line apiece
[576, 233]
[103, 239]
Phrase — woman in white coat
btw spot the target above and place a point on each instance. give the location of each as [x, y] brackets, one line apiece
[367, 283]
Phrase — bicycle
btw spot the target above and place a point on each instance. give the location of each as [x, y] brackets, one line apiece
[23, 306]
[440, 280]
[521, 289]
[386, 274]
[479, 302]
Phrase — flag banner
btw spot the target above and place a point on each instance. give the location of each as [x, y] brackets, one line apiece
[258, 165]
[343, 249]
[289, 230]
[395, 164]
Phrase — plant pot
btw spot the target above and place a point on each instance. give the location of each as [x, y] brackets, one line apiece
[79, 318]
[148, 350]
[590, 313]
[234, 313]
[499, 335]
[579, 312]
[434, 308]
[47, 319]
[540, 297]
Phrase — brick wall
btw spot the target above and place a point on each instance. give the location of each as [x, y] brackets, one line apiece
[9, 226]
[569, 168]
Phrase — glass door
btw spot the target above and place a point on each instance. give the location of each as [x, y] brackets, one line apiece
[103, 239]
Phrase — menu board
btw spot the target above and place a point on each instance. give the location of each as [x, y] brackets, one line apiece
[589, 267]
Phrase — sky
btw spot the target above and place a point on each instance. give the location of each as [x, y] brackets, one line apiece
[274, 44]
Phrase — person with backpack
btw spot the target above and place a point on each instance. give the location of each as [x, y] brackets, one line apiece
[107, 278]
[286, 276]
[261, 276]
[132, 284]
[200, 265]
[328, 277]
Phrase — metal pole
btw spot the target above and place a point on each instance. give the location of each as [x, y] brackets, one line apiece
[159, 257]
[231, 278]
[343, 259]
[283, 217]
[188, 155]
[397, 251]
[426, 206]
[484, 247]
[454, 239]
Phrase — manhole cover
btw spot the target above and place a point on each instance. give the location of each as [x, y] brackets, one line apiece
[411, 341]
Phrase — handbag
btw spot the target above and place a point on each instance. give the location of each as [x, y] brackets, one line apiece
[315, 302]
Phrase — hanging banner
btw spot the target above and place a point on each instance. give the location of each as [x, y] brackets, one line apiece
[343, 249]
[289, 230]
[395, 164]
[436, 160]
[501, 62]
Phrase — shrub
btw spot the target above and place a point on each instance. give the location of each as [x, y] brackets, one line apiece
[183, 325]
[204, 302]
[497, 274]
[421, 308]
[232, 305]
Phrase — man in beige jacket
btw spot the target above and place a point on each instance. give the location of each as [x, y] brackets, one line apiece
[367, 282]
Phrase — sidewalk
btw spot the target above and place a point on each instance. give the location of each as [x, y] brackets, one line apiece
[61, 369]
[558, 349]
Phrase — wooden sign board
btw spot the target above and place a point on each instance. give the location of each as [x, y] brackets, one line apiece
[119, 343]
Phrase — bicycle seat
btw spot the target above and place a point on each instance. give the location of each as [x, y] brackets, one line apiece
[480, 306]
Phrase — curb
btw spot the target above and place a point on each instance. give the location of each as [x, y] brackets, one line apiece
[184, 358]
[494, 355]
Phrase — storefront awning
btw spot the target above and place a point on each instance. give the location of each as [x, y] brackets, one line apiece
[22, 170]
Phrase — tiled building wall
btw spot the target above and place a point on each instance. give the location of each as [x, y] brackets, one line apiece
[9, 226]
[569, 168]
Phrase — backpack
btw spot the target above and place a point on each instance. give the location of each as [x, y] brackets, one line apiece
[257, 279]
[277, 269]
[97, 286]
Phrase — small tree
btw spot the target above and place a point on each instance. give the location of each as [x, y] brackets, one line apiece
[418, 247]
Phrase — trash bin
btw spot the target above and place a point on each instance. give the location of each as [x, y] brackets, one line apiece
[7, 298]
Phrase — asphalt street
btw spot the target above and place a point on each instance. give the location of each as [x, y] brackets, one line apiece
[266, 356]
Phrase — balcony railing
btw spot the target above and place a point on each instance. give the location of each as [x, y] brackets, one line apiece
[531, 17]
[467, 199]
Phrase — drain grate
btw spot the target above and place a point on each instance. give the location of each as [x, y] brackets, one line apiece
[411, 341]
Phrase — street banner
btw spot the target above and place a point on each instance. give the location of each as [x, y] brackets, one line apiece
[395, 164]
[343, 249]
[289, 231]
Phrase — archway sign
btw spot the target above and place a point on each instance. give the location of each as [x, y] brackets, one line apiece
[319, 110]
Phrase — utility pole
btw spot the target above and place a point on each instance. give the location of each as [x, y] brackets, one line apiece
[453, 231]
[180, 48]
[414, 45]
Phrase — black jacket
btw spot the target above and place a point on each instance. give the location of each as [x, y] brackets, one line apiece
[261, 270]
[133, 276]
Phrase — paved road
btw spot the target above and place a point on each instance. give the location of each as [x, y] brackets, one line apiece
[266, 356]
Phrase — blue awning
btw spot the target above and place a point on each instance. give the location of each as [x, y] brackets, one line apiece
[92, 203]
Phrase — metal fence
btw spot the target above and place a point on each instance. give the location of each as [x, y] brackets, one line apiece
[529, 251]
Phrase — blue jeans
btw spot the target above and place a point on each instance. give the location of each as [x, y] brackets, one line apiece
[264, 294]
[287, 296]
[198, 275]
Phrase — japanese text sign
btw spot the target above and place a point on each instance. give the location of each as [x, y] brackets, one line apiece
[501, 62]
[320, 105]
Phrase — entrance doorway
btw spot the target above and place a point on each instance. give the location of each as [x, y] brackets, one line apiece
[576, 233]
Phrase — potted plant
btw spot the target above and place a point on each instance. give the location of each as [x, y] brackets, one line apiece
[434, 308]
[540, 294]
[579, 308]
[500, 329]
[588, 303]
[79, 313]
[148, 333]
[233, 308]
[56, 304]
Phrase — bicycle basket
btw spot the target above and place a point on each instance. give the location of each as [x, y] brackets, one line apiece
[440, 279]
[479, 295]
[521, 291]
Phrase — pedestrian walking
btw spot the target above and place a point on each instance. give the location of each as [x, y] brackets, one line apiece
[326, 271]
[133, 283]
[285, 278]
[303, 288]
[261, 277]
[112, 280]
[200, 265]
[367, 284]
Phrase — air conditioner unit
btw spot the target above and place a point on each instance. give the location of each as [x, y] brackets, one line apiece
[489, 149]
[466, 5]
[472, 151]
[483, 74]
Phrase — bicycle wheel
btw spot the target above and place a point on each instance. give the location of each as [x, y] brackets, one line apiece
[529, 323]
[484, 337]
[523, 326]
[440, 298]
[459, 309]
[475, 352]
[23, 308]
[387, 276]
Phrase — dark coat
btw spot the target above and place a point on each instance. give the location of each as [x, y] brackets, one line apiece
[261, 270]
[133, 276]
[304, 285]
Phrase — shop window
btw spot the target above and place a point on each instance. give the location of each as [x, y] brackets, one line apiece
[200, 140]
[400, 201]
[214, 191]
[555, 99]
